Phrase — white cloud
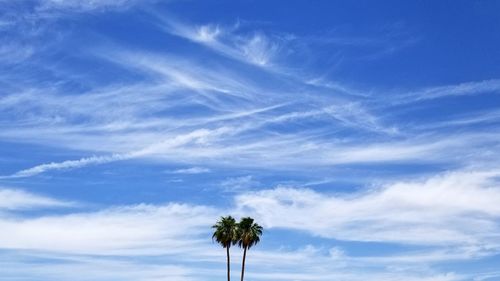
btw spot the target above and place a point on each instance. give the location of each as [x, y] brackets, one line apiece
[223, 146]
[486, 276]
[176, 74]
[15, 53]
[240, 116]
[94, 269]
[464, 120]
[15, 199]
[457, 208]
[325, 276]
[165, 147]
[207, 33]
[192, 170]
[84, 5]
[280, 265]
[130, 230]
[461, 89]
[238, 184]
[174, 240]
[256, 49]
[68, 164]
[259, 50]
[236, 120]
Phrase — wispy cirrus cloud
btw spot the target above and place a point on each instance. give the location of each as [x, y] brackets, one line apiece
[68, 164]
[208, 146]
[239, 184]
[241, 117]
[191, 171]
[14, 53]
[254, 48]
[83, 5]
[215, 147]
[230, 109]
[460, 89]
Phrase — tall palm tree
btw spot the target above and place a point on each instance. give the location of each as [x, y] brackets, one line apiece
[248, 235]
[225, 234]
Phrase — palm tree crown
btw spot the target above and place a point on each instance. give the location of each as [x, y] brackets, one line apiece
[248, 233]
[226, 234]
[225, 231]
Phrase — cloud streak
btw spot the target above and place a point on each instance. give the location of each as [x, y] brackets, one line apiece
[15, 200]
[461, 89]
[254, 49]
[68, 164]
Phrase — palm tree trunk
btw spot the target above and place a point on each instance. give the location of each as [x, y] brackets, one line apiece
[228, 267]
[243, 263]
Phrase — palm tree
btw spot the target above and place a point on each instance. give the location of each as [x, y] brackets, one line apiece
[225, 234]
[248, 235]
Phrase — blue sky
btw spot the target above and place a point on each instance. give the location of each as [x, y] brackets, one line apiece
[363, 135]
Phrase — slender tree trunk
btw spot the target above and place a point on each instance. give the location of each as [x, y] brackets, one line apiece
[243, 263]
[228, 267]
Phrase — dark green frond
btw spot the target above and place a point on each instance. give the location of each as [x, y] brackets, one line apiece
[248, 233]
[225, 232]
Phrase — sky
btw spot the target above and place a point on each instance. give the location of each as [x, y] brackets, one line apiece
[362, 135]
